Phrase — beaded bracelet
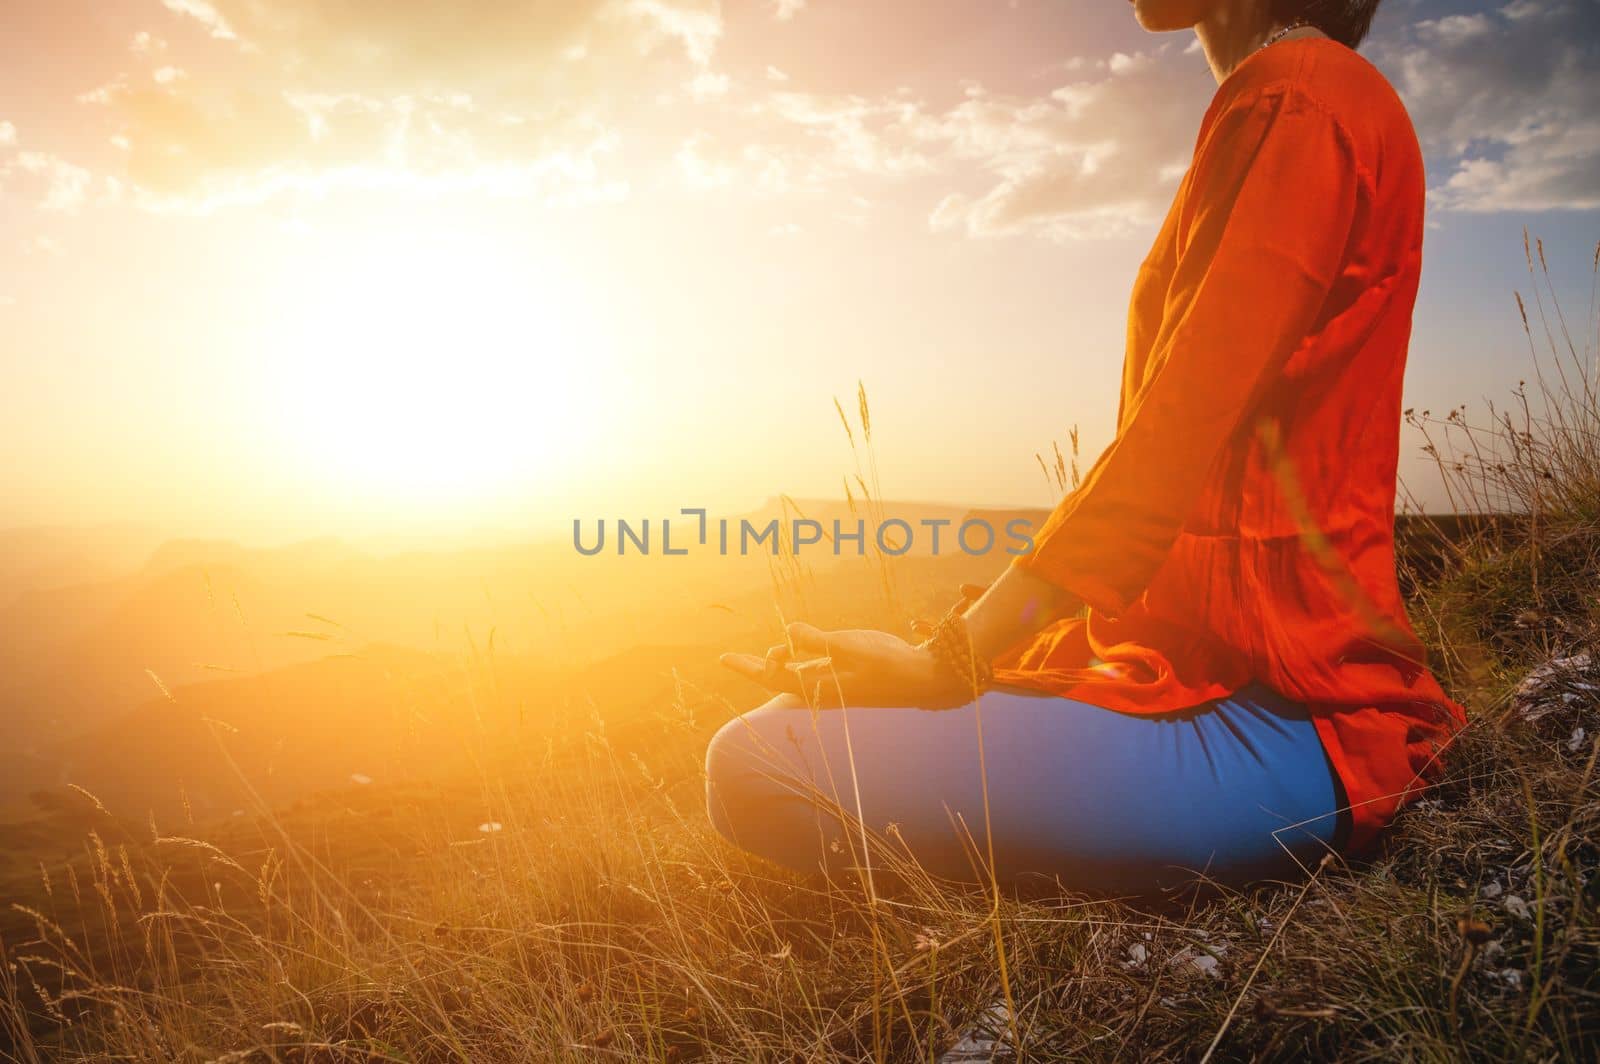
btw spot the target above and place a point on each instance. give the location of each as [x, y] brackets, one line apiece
[952, 645]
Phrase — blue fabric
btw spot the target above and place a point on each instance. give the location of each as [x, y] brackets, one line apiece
[1237, 790]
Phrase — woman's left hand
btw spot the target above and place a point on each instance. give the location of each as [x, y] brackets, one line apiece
[854, 667]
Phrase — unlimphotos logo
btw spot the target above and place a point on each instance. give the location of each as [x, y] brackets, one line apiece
[892, 536]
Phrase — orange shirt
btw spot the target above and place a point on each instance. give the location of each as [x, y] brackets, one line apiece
[1241, 525]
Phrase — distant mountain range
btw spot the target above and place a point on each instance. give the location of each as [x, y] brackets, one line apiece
[332, 661]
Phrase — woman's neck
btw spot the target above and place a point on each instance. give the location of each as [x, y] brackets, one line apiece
[1232, 31]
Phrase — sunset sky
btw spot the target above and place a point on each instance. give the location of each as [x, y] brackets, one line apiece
[273, 268]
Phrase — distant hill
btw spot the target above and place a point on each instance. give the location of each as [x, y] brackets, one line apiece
[75, 655]
[212, 554]
[51, 556]
[315, 662]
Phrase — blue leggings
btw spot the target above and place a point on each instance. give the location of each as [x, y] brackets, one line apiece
[1236, 790]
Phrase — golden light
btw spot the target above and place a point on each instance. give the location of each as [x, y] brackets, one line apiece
[434, 368]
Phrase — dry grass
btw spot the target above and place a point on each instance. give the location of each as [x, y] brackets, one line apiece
[577, 905]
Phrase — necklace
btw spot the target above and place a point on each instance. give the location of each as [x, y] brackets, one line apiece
[1276, 37]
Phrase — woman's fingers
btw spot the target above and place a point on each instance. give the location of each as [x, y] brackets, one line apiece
[812, 680]
[816, 663]
[749, 666]
[807, 639]
[769, 673]
[820, 683]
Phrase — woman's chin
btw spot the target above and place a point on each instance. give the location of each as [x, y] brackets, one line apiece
[1164, 16]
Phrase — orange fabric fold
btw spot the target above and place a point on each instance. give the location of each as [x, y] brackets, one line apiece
[1240, 526]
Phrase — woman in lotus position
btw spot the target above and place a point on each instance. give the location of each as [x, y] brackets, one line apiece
[1204, 666]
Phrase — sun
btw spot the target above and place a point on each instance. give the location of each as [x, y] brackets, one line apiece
[432, 368]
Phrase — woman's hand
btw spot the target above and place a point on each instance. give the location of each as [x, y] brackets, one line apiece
[864, 668]
[854, 667]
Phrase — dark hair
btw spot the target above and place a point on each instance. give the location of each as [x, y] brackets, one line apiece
[1346, 21]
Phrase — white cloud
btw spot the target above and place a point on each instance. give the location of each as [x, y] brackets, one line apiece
[536, 96]
[855, 134]
[1504, 104]
[432, 91]
[1519, 9]
[1070, 164]
[699, 170]
[65, 186]
[1455, 29]
[696, 23]
[146, 43]
[203, 13]
[706, 84]
[1121, 63]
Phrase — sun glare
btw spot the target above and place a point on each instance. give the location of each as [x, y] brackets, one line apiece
[435, 369]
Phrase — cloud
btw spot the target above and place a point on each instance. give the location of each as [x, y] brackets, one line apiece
[146, 43]
[853, 134]
[203, 13]
[45, 179]
[1097, 156]
[429, 91]
[58, 184]
[560, 100]
[1455, 29]
[310, 144]
[442, 45]
[1505, 103]
[707, 84]
[698, 170]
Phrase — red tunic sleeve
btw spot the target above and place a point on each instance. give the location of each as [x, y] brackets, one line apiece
[1265, 222]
